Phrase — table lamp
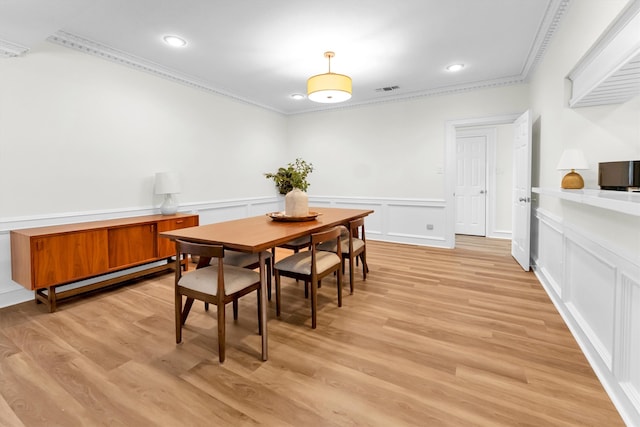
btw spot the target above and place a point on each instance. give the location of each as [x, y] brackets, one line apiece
[572, 159]
[168, 183]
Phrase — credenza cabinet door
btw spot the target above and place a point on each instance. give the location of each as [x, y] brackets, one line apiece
[167, 248]
[132, 245]
[68, 257]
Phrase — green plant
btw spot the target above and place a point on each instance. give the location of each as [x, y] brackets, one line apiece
[293, 176]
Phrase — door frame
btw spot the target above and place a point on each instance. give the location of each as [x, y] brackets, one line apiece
[451, 128]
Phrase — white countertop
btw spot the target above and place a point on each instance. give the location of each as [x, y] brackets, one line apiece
[619, 201]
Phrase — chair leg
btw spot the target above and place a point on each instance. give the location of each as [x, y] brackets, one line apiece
[269, 270]
[306, 290]
[259, 299]
[187, 309]
[314, 298]
[221, 332]
[206, 306]
[365, 266]
[339, 286]
[235, 309]
[277, 293]
[178, 316]
[351, 275]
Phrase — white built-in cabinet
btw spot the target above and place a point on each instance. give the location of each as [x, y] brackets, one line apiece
[595, 286]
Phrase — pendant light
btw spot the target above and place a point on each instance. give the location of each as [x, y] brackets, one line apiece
[329, 88]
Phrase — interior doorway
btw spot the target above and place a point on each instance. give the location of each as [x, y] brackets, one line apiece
[493, 173]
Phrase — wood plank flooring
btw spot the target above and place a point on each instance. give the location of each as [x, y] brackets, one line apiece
[433, 337]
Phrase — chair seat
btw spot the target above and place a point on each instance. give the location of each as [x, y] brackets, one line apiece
[300, 241]
[205, 279]
[300, 263]
[243, 259]
[344, 245]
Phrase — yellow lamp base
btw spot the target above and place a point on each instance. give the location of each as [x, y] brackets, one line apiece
[572, 181]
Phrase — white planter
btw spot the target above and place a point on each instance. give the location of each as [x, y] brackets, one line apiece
[296, 203]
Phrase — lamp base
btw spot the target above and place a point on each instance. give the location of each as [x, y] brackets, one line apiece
[169, 206]
[572, 181]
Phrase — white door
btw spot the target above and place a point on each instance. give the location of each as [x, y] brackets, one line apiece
[521, 200]
[470, 190]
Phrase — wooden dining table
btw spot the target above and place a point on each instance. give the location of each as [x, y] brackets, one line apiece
[260, 233]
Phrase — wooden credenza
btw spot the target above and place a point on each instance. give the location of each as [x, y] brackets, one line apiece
[46, 257]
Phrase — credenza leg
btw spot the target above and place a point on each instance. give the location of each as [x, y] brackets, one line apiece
[49, 299]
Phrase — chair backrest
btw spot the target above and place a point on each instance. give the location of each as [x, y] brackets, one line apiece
[202, 251]
[323, 236]
[356, 228]
[199, 249]
[320, 237]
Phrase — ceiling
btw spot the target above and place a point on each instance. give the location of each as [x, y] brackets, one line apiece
[262, 52]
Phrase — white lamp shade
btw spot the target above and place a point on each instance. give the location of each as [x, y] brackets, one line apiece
[572, 159]
[167, 183]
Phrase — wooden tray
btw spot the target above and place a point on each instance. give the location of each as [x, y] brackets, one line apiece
[280, 216]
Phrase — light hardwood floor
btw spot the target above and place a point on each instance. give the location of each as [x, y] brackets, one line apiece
[433, 337]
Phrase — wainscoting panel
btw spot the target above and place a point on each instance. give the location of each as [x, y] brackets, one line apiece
[397, 220]
[550, 260]
[589, 292]
[393, 220]
[629, 359]
[596, 289]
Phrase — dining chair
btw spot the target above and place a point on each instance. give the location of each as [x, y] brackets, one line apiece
[295, 245]
[250, 261]
[217, 284]
[353, 247]
[311, 267]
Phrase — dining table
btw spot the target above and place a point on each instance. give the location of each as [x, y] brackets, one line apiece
[258, 234]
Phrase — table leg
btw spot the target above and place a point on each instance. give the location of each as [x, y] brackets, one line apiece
[263, 303]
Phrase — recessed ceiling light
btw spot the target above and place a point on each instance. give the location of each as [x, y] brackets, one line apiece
[297, 96]
[174, 41]
[455, 67]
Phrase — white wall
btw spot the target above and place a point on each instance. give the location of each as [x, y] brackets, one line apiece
[78, 133]
[81, 139]
[604, 133]
[391, 149]
[588, 258]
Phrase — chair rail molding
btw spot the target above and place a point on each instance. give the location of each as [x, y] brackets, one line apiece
[394, 220]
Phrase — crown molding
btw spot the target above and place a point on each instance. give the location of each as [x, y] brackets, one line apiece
[11, 50]
[548, 27]
[90, 47]
[446, 90]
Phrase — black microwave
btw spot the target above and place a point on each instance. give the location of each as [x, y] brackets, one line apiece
[621, 176]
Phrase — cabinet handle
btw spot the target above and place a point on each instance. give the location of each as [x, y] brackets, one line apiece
[180, 221]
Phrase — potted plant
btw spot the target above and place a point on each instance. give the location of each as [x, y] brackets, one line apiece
[292, 182]
[293, 176]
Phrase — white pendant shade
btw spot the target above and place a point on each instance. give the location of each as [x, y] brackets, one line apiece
[329, 88]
